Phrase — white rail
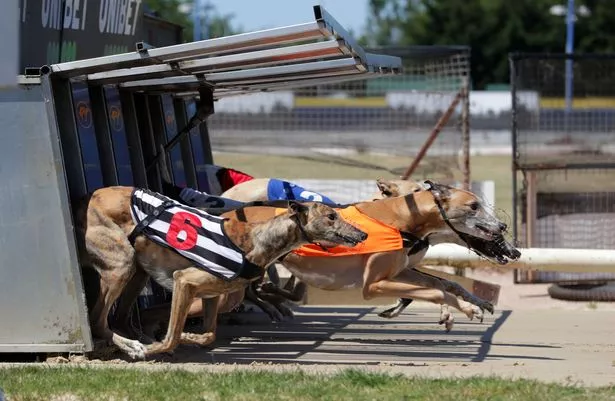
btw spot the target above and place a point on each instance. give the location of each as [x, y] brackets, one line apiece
[545, 259]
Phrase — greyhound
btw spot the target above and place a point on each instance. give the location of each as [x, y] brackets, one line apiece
[122, 230]
[434, 214]
[257, 190]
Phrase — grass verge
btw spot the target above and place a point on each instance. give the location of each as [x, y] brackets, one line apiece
[86, 383]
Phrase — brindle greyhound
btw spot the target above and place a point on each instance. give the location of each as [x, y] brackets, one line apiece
[440, 212]
[105, 229]
[268, 297]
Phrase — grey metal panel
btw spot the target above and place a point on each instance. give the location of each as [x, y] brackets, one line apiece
[241, 42]
[261, 58]
[284, 70]
[256, 58]
[42, 301]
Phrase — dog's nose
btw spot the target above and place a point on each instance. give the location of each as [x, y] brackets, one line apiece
[363, 236]
[503, 226]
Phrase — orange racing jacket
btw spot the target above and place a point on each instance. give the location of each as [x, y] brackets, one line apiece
[380, 237]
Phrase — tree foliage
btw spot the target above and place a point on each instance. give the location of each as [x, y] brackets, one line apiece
[173, 11]
[492, 28]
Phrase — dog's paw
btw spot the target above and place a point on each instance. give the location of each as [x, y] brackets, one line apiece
[390, 313]
[488, 306]
[134, 349]
[447, 319]
[478, 313]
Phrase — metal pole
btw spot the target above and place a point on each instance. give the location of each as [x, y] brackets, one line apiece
[465, 143]
[570, 21]
[465, 134]
[432, 136]
[537, 259]
[196, 20]
[531, 213]
[207, 7]
[515, 156]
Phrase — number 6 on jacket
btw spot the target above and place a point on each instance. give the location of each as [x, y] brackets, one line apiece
[187, 223]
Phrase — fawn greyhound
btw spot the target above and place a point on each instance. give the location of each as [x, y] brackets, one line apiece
[257, 189]
[124, 230]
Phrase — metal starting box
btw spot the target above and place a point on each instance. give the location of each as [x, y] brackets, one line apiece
[73, 127]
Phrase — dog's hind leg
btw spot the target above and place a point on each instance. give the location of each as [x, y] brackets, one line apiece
[184, 290]
[114, 259]
[210, 323]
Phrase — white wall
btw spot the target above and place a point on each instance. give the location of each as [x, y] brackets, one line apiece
[481, 102]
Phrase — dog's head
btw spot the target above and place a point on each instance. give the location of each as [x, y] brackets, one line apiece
[322, 224]
[453, 212]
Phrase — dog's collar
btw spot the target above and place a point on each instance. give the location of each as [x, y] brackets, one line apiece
[413, 243]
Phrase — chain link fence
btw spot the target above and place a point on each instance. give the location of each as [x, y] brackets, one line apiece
[357, 130]
[564, 157]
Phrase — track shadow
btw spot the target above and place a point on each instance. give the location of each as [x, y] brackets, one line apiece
[351, 336]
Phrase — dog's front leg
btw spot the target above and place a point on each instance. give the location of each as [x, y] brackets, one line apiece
[397, 309]
[251, 295]
[122, 317]
[479, 305]
[183, 293]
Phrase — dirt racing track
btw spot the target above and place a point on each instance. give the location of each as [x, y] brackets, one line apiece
[566, 346]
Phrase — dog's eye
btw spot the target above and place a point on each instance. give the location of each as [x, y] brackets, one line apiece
[474, 206]
[332, 216]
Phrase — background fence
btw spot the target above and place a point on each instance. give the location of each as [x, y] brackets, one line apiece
[357, 130]
[564, 157]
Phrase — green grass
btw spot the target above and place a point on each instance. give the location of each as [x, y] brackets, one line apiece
[82, 383]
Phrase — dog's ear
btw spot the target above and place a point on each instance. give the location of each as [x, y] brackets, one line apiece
[296, 208]
[387, 188]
